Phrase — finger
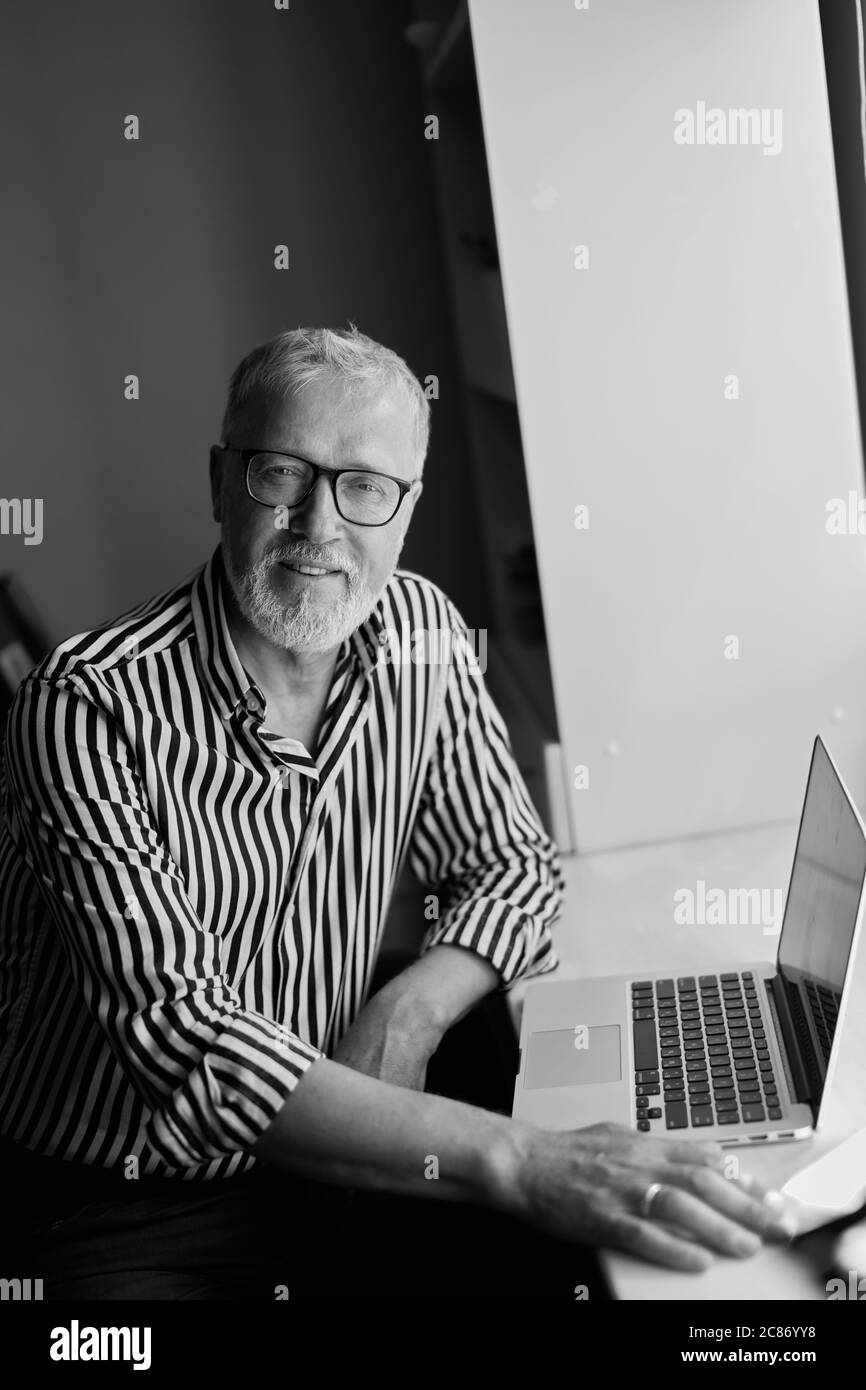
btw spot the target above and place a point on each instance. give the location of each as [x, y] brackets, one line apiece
[673, 1206]
[704, 1152]
[649, 1241]
[744, 1199]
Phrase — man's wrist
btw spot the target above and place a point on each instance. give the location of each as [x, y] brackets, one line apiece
[411, 1012]
[440, 987]
[504, 1158]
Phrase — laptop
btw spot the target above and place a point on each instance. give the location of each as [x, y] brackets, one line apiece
[740, 1055]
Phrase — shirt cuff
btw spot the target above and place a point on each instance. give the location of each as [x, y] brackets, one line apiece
[234, 1093]
[516, 944]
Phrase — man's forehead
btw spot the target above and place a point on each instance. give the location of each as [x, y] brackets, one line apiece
[359, 425]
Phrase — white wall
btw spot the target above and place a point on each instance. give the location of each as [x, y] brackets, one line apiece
[707, 515]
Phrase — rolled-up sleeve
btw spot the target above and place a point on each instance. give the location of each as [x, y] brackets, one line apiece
[477, 841]
[212, 1073]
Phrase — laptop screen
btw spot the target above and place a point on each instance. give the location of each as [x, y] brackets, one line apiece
[822, 904]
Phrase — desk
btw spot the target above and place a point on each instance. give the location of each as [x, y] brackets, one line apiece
[619, 917]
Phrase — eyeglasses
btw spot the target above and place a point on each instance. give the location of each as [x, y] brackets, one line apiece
[286, 480]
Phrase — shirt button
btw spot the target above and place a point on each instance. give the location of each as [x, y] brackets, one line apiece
[252, 704]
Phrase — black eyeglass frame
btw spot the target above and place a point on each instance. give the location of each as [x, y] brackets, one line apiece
[332, 474]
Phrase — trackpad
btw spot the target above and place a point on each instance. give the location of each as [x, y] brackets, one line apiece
[573, 1057]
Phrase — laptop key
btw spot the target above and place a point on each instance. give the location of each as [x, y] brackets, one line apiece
[642, 1103]
[646, 1057]
[728, 1117]
[647, 1090]
[665, 989]
[774, 1113]
[642, 1013]
[676, 1115]
[753, 1112]
[725, 1104]
[647, 1077]
[654, 1113]
[644, 1126]
[673, 1096]
[702, 1117]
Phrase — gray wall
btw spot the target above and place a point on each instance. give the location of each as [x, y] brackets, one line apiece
[257, 127]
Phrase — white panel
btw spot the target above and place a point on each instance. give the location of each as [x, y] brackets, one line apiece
[707, 515]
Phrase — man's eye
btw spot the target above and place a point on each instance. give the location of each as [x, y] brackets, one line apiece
[282, 470]
[364, 485]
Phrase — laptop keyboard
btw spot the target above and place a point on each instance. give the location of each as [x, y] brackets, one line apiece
[700, 1053]
[825, 1012]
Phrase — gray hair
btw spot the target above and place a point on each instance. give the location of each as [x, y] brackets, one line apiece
[290, 361]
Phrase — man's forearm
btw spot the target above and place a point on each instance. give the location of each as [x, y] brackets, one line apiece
[343, 1127]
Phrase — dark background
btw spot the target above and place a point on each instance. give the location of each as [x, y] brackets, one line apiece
[155, 257]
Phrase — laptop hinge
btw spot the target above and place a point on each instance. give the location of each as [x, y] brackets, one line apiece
[780, 1009]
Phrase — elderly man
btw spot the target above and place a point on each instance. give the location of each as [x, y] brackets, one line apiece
[207, 804]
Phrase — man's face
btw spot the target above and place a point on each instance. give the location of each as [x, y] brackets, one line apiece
[329, 425]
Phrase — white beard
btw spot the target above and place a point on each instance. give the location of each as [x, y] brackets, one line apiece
[303, 623]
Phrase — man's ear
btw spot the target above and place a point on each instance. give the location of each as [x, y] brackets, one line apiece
[419, 488]
[216, 482]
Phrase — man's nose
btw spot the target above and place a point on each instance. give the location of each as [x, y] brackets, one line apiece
[317, 517]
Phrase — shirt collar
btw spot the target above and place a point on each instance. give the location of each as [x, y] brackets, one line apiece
[219, 662]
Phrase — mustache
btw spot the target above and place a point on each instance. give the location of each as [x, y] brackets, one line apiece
[291, 555]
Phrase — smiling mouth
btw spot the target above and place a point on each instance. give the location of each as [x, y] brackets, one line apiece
[314, 571]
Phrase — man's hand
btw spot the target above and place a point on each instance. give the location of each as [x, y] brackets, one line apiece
[588, 1185]
[388, 1042]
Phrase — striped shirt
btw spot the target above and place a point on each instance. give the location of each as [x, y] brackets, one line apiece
[191, 905]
